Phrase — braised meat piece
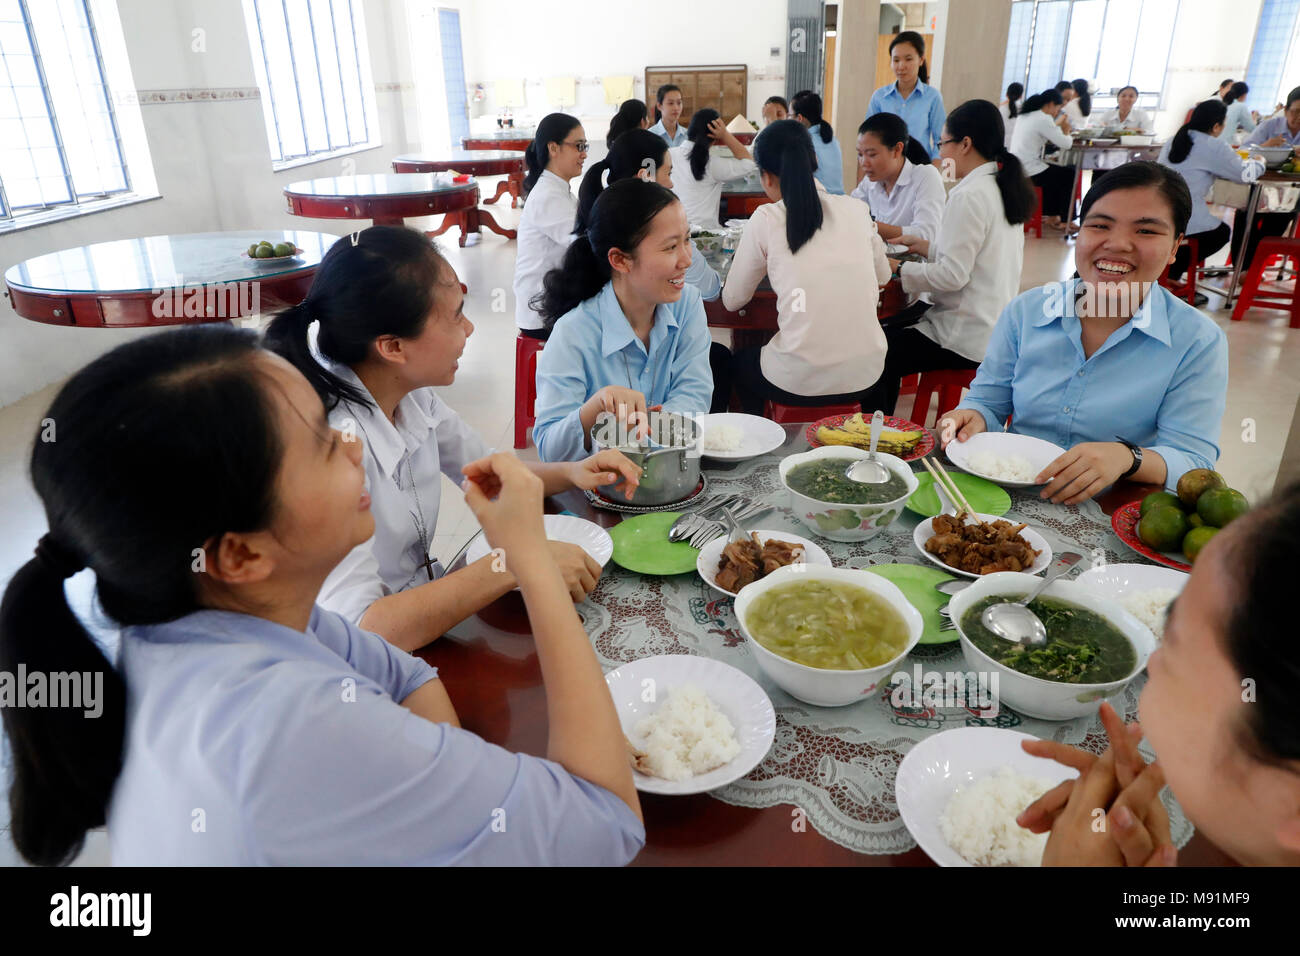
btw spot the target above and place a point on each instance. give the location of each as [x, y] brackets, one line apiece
[982, 547]
[777, 554]
[744, 562]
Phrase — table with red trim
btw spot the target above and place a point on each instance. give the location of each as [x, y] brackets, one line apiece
[740, 197]
[503, 139]
[492, 162]
[385, 198]
[490, 669]
[164, 280]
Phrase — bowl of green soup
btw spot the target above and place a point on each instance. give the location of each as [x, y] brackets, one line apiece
[835, 506]
[826, 635]
[1094, 646]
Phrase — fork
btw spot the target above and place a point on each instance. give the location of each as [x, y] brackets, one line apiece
[691, 522]
[708, 528]
[713, 529]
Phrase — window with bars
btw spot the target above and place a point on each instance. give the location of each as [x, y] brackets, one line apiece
[59, 139]
[1110, 43]
[314, 74]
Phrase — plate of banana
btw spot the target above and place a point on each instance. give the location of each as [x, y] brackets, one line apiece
[901, 438]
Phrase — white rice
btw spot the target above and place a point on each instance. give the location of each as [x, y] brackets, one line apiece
[686, 736]
[1149, 607]
[1003, 467]
[723, 438]
[980, 820]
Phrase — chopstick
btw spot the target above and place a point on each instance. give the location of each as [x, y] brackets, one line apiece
[949, 486]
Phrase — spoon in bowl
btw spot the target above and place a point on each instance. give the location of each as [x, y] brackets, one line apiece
[868, 470]
[1013, 621]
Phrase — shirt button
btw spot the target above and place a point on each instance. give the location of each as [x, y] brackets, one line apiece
[1080, 373]
[1066, 408]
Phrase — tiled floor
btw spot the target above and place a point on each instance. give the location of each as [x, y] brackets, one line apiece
[1264, 386]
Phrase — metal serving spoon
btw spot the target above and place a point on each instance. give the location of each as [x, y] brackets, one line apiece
[1013, 621]
[868, 470]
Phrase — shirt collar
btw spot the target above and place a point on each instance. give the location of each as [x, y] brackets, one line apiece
[386, 441]
[616, 332]
[1152, 318]
[919, 90]
[905, 176]
[983, 169]
[558, 181]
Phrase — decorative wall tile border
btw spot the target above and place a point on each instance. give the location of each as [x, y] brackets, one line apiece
[197, 95]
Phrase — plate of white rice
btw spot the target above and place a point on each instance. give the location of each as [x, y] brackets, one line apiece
[1144, 590]
[731, 436]
[959, 793]
[1010, 460]
[697, 723]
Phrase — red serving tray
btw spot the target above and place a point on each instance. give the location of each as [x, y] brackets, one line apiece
[923, 447]
[1125, 520]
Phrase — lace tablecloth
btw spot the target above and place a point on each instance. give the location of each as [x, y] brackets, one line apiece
[838, 763]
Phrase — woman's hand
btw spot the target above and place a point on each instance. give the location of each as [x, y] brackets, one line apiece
[1275, 141]
[506, 498]
[961, 424]
[718, 130]
[579, 569]
[914, 244]
[605, 468]
[627, 404]
[1084, 471]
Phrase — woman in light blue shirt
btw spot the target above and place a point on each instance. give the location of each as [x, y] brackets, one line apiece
[244, 725]
[806, 107]
[1110, 366]
[1239, 115]
[910, 96]
[628, 331]
[668, 110]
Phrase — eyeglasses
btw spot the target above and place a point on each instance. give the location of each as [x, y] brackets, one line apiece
[945, 142]
[581, 145]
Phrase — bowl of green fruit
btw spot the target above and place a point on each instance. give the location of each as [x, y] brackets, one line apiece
[1172, 528]
[266, 252]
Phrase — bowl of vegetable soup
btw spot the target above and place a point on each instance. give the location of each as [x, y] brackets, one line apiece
[828, 636]
[1094, 646]
[835, 506]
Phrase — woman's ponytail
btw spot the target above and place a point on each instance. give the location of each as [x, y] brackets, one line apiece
[590, 189]
[785, 150]
[915, 153]
[637, 151]
[698, 134]
[809, 105]
[981, 122]
[1018, 197]
[1205, 116]
[580, 276]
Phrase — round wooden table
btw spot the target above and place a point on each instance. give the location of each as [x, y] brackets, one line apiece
[509, 139]
[480, 162]
[163, 280]
[385, 198]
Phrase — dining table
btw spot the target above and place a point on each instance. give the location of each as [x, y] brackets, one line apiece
[510, 139]
[824, 792]
[741, 196]
[164, 280]
[1273, 192]
[1093, 154]
[385, 198]
[473, 162]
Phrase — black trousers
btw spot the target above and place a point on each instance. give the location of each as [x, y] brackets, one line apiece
[542, 333]
[1207, 244]
[1057, 184]
[720, 365]
[909, 352]
[755, 390]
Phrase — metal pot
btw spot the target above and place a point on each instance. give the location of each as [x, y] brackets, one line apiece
[669, 473]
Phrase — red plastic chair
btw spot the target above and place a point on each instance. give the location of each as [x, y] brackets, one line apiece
[1187, 287]
[1035, 222]
[948, 383]
[790, 414]
[526, 349]
[1251, 295]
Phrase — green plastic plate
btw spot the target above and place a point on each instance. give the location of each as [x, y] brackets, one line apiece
[984, 496]
[641, 544]
[917, 584]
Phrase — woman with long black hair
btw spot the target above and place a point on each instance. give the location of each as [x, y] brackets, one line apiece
[1079, 107]
[1036, 129]
[1239, 114]
[700, 174]
[806, 108]
[1010, 109]
[554, 157]
[632, 114]
[910, 95]
[826, 263]
[668, 110]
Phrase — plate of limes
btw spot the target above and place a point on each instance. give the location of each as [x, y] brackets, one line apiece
[268, 252]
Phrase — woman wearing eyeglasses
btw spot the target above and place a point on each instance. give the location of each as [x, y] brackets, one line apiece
[545, 229]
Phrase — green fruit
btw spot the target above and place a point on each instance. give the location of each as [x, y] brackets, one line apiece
[1219, 506]
[1196, 540]
[1159, 499]
[1195, 483]
[284, 248]
[1195, 520]
[1162, 528]
[264, 252]
[252, 251]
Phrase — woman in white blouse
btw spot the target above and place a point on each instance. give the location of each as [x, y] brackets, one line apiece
[1036, 128]
[1079, 107]
[1010, 109]
[699, 174]
[391, 327]
[1126, 115]
[972, 270]
[900, 185]
[545, 229]
[826, 263]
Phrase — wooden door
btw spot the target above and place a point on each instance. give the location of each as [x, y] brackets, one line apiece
[828, 81]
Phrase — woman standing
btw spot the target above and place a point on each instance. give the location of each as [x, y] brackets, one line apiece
[1036, 129]
[807, 109]
[700, 174]
[667, 111]
[545, 229]
[909, 95]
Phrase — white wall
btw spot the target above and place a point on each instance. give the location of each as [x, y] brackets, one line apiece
[1212, 40]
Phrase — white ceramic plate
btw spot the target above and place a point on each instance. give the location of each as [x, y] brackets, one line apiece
[707, 563]
[761, 435]
[1117, 580]
[925, 531]
[732, 692]
[936, 767]
[1037, 452]
[590, 536]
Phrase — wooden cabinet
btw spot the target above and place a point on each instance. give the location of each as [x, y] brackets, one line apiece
[723, 88]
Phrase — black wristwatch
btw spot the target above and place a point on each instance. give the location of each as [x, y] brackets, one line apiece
[1137, 455]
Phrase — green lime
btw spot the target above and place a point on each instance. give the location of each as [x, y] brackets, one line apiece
[1162, 528]
[1159, 499]
[284, 248]
[264, 252]
[1195, 483]
[1196, 539]
[1195, 520]
[1218, 506]
[252, 251]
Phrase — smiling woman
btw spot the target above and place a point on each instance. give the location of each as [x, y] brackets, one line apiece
[1109, 365]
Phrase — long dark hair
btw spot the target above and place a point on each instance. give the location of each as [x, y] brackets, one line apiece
[381, 284]
[1239, 89]
[659, 97]
[1138, 174]
[553, 128]
[982, 122]
[891, 129]
[1084, 97]
[620, 219]
[1014, 92]
[1205, 116]
[625, 159]
[183, 446]
[698, 133]
[809, 105]
[629, 116]
[785, 150]
[918, 44]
